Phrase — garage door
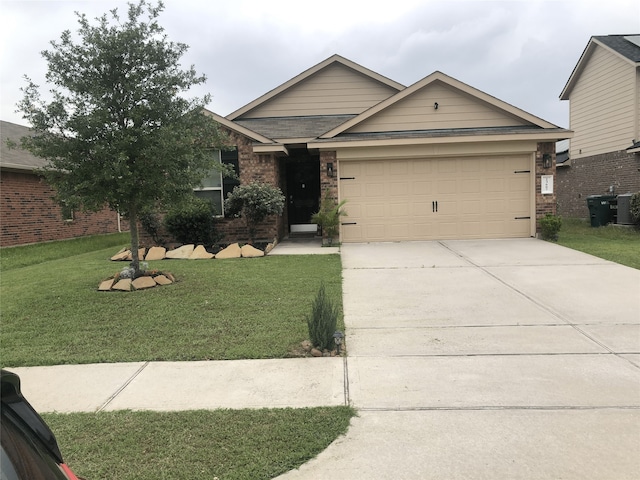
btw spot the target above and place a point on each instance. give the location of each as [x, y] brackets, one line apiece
[429, 199]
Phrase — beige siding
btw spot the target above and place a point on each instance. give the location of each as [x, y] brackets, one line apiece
[430, 199]
[455, 110]
[603, 106]
[337, 89]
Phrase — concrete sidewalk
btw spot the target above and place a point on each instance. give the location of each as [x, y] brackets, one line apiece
[165, 386]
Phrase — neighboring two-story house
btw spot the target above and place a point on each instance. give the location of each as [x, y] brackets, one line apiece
[604, 97]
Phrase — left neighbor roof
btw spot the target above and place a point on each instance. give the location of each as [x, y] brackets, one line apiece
[15, 158]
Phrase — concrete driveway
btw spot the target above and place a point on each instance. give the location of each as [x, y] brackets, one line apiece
[492, 359]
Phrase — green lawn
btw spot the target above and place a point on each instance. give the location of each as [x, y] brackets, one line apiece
[223, 444]
[52, 312]
[612, 242]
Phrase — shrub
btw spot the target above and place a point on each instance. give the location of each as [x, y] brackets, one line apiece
[322, 321]
[550, 226]
[192, 221]
[152, 224]
[254, 202]
[635, 208]
[328, 217]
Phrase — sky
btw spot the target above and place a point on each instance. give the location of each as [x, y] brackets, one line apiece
[519, 51]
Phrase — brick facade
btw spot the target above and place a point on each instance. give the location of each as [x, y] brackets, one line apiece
[595, 175]
[545, 203]
[28, 213]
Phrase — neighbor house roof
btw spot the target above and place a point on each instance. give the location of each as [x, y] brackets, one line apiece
[626, 47]
[14, 157]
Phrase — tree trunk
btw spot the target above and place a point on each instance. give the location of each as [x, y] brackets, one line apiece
[135, 241]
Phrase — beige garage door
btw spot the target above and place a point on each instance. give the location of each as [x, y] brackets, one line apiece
[479, 197]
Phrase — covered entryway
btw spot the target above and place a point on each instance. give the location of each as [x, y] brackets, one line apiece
[437, 198]
[303, 190]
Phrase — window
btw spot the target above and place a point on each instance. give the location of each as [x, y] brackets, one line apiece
[214, 188]
[67, 212]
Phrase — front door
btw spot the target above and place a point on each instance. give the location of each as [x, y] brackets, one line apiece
[303, 190]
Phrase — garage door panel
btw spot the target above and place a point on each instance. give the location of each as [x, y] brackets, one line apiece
[479, 197]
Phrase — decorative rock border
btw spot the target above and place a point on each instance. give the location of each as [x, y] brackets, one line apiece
[149, 280]
[193, 252]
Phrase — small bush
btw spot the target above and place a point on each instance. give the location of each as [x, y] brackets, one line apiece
[192, 222]
[152, 224]
[328, 217]
[550, 226]
[635, 208]
[254, 202]
[322, 321]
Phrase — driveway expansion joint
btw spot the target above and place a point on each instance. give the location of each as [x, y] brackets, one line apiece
[121, 389]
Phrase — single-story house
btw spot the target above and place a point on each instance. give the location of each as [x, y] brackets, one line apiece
[604, 98]
[436, 160]
[28, 213]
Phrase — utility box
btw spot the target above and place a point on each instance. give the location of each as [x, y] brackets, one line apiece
[624, 209]
[602, 209]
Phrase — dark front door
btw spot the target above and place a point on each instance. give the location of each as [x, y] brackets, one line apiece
[303, 188]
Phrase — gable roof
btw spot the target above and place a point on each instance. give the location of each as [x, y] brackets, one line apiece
[626, 47]
[335, 60]
[16, 158]
[524, 118]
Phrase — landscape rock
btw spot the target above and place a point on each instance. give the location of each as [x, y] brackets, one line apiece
[140, 254]
[306, 345]
[268, 248]
[156, 253]
[315, 352]
[200, 253]
[162, 280]
[249, 251]
[143, 282]
[106, 285]
[182, 252]
[123, 285]
[232, 251]
[121, 255]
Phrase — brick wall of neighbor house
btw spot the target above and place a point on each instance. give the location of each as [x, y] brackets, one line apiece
[594, 175]
[29, 215]
[545, 203]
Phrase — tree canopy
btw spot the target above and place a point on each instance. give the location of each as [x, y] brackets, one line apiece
[116, 129]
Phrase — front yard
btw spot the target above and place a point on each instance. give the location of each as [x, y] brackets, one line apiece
[53, 314]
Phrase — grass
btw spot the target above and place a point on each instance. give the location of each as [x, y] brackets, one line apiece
[223, 444]
[53, 314]
[22, 256]
[615, 243]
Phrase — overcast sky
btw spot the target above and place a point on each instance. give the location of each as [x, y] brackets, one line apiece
[519, 51]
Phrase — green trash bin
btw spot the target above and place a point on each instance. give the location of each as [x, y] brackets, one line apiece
[601, 209]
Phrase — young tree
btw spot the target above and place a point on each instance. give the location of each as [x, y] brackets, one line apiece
[117, 131]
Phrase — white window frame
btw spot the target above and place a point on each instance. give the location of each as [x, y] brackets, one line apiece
[220, 189]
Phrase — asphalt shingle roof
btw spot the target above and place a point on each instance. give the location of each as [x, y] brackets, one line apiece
[621, 45]
[16, 157]
[294, 127]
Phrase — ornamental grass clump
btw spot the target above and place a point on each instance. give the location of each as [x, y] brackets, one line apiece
[322, 321]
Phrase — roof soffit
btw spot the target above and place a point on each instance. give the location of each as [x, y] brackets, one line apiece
[451, 83]
[310, 72]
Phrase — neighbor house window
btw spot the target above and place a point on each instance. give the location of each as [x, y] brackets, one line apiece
[67, 212]
[214, 188]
